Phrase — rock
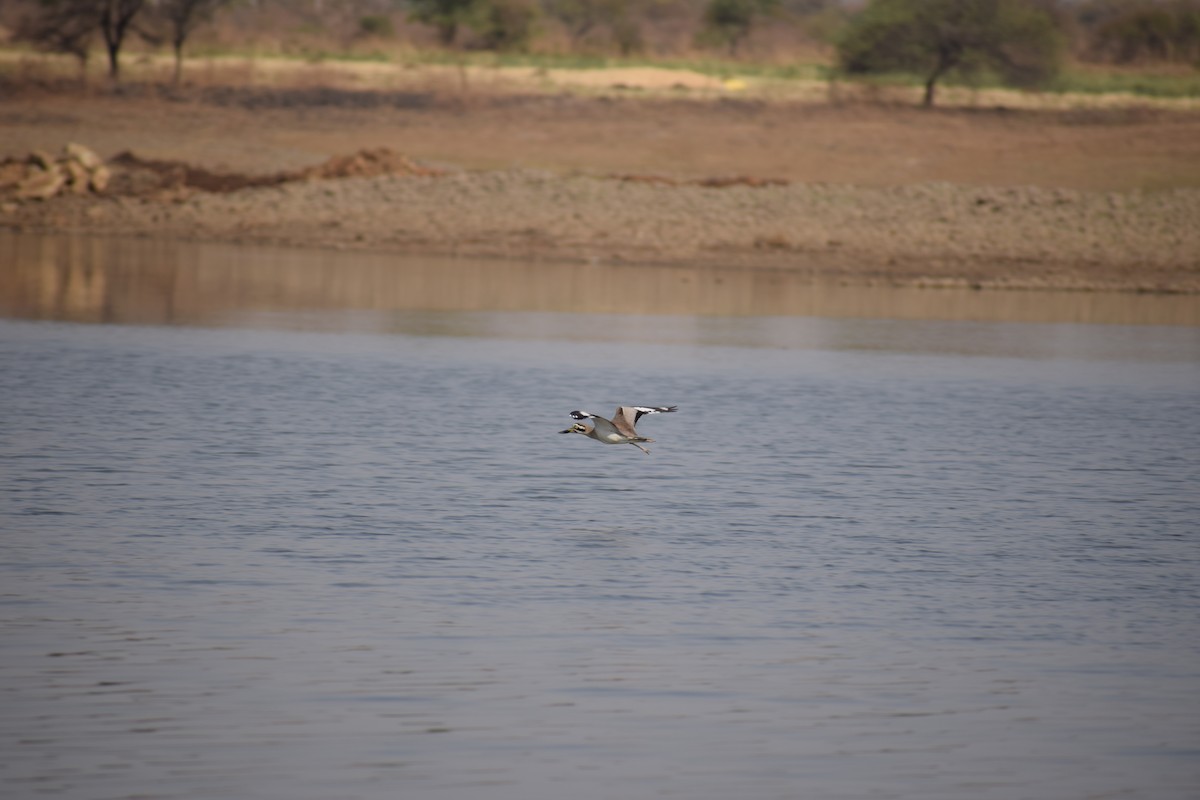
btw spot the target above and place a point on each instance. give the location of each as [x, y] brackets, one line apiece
[100, 178]
[41, 158]
[42, 185]
[40, 177]
[85, 156]
[78, 178]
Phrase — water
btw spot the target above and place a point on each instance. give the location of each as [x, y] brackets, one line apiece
[345, 554]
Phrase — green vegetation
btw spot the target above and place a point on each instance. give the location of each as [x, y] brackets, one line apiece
[446, 16]
[727, 23]
[1010, 39]
[1144, 84]
[507, 25]
[1139, 32]
[377, 25]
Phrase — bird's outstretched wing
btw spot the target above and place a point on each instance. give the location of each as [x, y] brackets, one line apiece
[626, 417]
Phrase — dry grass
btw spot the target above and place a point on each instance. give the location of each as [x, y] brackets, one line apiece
[409, 71]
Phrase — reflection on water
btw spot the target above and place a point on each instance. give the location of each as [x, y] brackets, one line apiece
[156, 282]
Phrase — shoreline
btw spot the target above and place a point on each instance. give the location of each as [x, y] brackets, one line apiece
[925, 235]
[860, 194]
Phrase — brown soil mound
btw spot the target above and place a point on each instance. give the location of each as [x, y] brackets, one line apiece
[368, 163]
[136, 176]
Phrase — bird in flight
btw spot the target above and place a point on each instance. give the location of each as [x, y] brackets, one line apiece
[618, 430]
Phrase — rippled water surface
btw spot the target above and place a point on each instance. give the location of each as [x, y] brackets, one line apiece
[865, 559]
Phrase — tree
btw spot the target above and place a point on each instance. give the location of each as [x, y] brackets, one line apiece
[728, 22]
[579, 17]
[183, 17]
[115, 18]
[67, 26]
[507, 24]
[582, 18]
[447, 16]
[1014, 38]
[58, 27]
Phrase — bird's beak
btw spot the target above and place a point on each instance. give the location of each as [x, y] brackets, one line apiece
[568, 430]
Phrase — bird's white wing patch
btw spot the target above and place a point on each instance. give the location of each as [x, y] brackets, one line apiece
[643, 410]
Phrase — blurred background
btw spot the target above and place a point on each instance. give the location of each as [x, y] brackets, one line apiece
[1145, 46]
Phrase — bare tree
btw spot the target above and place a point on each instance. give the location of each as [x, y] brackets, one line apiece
[60, 28]
[66, 26]
[115, 18]
[581, 18]
[183, 17]
[578, 17]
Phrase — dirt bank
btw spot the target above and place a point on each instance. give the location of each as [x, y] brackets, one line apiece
[860, 193]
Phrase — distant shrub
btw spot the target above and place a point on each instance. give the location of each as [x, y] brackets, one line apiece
[507, 24]
[377, 25]
[447, 16]
[727, 23]
[1153, 33]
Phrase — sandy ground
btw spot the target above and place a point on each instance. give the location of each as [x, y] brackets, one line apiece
[1079, 199]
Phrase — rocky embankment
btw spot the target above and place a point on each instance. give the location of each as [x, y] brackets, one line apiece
[41, 176]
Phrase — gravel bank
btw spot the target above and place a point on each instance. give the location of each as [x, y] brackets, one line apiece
[938, 234]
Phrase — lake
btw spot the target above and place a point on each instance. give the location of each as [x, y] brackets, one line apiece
[300, 526]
